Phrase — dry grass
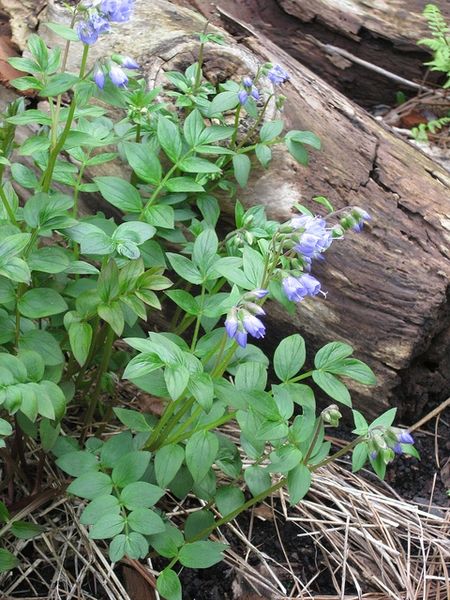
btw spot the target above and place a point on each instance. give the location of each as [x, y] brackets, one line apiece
[368, 539]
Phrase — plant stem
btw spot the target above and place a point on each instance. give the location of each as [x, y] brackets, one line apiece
[47, 178]
[6, 204]
[236, 126]
[339, 453]
[180, 434]
[198, 320]
[300, 377]
[313, 441]
[107, 351]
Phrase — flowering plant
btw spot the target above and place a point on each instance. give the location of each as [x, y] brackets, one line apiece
[72, 286]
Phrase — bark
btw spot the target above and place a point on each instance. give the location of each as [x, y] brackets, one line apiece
[381, 32]
[388, 292]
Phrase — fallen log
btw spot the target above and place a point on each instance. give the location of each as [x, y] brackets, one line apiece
[388, 289]
[324, 35]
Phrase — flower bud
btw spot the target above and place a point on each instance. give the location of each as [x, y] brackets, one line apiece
[331, 415]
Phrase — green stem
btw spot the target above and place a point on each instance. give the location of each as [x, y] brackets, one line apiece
[198, 320]
[236, 126]
[313, 441]
[170, 408]
[8, 208]
[300, 377]
[339, 453]
[47, 178]
[180, 434]
[107, 351]
[163, 182]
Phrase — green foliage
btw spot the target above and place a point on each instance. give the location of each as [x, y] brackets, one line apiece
[439, 42]
[78, 296]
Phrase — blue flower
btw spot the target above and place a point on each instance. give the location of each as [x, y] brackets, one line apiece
[240, 322]
[87, 32]
[99, 78]
[405, 438]
[278, 75]
[129, 63]
[361, 217]
[316, 237]
[253, 325]
[243, 97]
[297, 288]
[247, 82]
[118, 76]
[293, 289]
[119, 11]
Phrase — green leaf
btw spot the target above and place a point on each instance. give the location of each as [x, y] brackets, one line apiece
[196, 523]
[168, 585]
[144, 162]
[251, 376]
[132, 419]
[80, 337]
[130, 468]
[140, 494]
[386, 419]
[77, 463]
[112, 313]
[7, 560]
[160, 215]
[185, 268]
[228, 499]
[242, 166]
[24, 530]
[269, 131]
[58, 84]
[263, 154]
[223, 102]
[176, 378]
[193, 127]
[289, 357]
[166, 544]
[168, 461]
[332, 386]
[145, 521]
[253, 264]
[201, 555]
[198, 165]
[201, 450]
[299, 482]
[100, 506]
[120, 194]
[284, 459]
[298, 151]
[184, 300]
[169, 138]
[64, 31]
[305, 137]
[5, 428]
[90, 485]
[330, 353]
[107, 526]
[258, 479]
[354, 369]
[201, 386]
[183, 184]
[41, 302]
[44, 343]
[37, 143]
[24, 176]
[360, 455]
[361, 425]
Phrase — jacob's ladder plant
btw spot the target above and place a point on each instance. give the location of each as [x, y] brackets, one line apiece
[72, 287]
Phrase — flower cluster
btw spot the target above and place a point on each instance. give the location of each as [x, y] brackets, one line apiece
[243, 319]
[115, 72]
[386, 444]
[277, 75]
[249, 90]
[315, 237]
[98, 16]
[297, 288]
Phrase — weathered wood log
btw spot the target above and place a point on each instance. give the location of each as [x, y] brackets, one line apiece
[381, 32]
[387, 288]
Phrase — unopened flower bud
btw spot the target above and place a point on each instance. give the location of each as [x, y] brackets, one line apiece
[331, 415]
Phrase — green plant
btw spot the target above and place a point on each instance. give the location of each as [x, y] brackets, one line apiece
[71, 286]
[439, 43]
